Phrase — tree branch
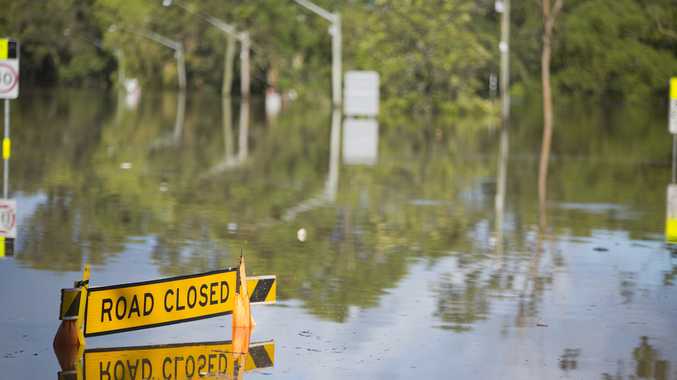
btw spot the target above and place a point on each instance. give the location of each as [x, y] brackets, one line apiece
[556, 9]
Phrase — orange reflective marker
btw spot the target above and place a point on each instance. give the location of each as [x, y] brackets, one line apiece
[242, 316]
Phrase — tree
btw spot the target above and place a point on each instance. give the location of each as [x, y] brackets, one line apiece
[549, 17]
[432, 55]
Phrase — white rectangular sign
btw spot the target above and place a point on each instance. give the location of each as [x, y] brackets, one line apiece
[8, 218]
[361, 93]
[9, 69]
[360, 141]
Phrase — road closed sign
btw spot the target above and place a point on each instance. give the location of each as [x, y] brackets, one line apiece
[9, 68]
[126, 307]
[8, 218]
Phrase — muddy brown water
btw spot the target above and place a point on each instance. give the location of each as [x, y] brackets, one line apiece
[402, 249]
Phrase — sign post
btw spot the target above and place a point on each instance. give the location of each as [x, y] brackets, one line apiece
[9, 89]
[671, 217]
[673, 106]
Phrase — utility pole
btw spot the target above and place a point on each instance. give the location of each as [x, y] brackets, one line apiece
[181, 67]
[178, 53]
[336, 59]
[169, 43]
[245, 65]
[228, 65]
[231, 36]
[504, 47]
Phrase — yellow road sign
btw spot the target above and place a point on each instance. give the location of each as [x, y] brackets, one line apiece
[176, 361]
[118, 308]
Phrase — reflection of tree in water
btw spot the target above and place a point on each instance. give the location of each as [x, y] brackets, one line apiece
[569, 359]
[461, 303]
[648, 364]
[627, 286]
[86, 213]
[62, 232]
[359, 248]
[669, 276]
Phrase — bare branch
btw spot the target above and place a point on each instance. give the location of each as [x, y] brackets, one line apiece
[556, 9]
[661, 29]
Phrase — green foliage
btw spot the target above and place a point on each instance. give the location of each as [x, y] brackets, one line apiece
[430, 54]
[434, 57]
[623, 49]
[60, 40]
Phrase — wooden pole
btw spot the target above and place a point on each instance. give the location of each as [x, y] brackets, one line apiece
[549, 16]
[505, 60]
[181, 67]
[229, 57]
[245, 69]
[336, 58]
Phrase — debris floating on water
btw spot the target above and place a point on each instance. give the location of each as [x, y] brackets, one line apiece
[301, 234]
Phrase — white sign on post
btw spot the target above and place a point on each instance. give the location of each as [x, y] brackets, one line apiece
[360, 141]
[9, 69]
[8, 218]
[361, 93]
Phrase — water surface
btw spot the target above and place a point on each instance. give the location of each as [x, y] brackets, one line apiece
[425, 251]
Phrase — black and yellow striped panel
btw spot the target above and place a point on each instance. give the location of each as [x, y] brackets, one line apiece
[6, 246]
[261, 355]
[70, 304]
[9, 49]
[68, 375]
[262, 289]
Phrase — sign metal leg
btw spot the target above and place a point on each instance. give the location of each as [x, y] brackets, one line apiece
[5, 153]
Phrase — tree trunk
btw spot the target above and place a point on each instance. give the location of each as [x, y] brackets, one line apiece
[229, 57]
[549, 15]
[547, 121]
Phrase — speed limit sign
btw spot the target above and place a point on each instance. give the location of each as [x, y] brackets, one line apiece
[9, 68]
[8, 218]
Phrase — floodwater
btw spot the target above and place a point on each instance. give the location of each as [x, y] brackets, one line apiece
[403, 248]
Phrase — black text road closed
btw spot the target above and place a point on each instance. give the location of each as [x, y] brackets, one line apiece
[133, 306]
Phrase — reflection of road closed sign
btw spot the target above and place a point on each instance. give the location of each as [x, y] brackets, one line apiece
[9, 69]
[210, 360]
[8, 218]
